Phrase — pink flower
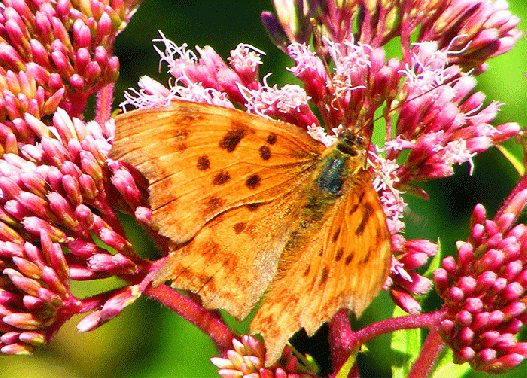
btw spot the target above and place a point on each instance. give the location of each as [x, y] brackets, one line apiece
[57, 70]
[247, 359]
[59, 192]
[484, 290]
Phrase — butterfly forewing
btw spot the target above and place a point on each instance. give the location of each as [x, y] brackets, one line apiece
[201, 160]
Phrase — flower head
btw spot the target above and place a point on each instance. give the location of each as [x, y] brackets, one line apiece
[248, 360]
[56, 53]
[484, 290]
[477, 29]
[55, 198]
[57, 222]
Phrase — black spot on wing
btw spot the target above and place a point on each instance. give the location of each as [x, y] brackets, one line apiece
[203, 163]
[366, 257]
[271, 138]
[335, 235]
[221, 178]
[239, 227]
[180, 147]
[179, 134]
[339, 254]
[324, 275]
[367, 212]
[253, 181]
[265, 153]
[213, 204]
[230, 141]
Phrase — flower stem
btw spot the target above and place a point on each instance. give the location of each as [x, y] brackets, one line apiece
[511, 203]
[342, 338]
[429, 352]
[394, 324]
[104, 104]
[344, 341]
[208, 321]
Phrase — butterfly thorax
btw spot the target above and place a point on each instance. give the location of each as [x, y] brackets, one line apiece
[340, 162]
[339, 170]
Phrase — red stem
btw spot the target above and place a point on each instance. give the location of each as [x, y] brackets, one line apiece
[209, 322]
[432, 346]
[103, 109]
[394, 324]
[344, 341]
[520, 186]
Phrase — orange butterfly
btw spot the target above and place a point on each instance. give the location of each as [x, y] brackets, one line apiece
[258, 210]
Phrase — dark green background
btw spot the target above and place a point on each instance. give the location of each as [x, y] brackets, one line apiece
[150, 341]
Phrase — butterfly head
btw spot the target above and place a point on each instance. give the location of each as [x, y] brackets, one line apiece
[354, 145]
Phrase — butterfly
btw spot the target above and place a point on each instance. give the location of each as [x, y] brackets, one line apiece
[259, 212]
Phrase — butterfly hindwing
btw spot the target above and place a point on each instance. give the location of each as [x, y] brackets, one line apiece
[201, 160]
[343, 266]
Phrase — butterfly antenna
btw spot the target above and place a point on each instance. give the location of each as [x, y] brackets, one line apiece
[318, 43]
[322, 53]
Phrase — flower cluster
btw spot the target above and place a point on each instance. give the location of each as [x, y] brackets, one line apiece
[55, 53]
[57, 220]
[477, 29]
[484, 290]
[54, 198]
[59, 192]
[248, 358]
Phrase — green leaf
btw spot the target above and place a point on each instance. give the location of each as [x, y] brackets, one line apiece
[514, 160]
[406, 345]
[445, 367]
[436, 261]
[346, 368]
